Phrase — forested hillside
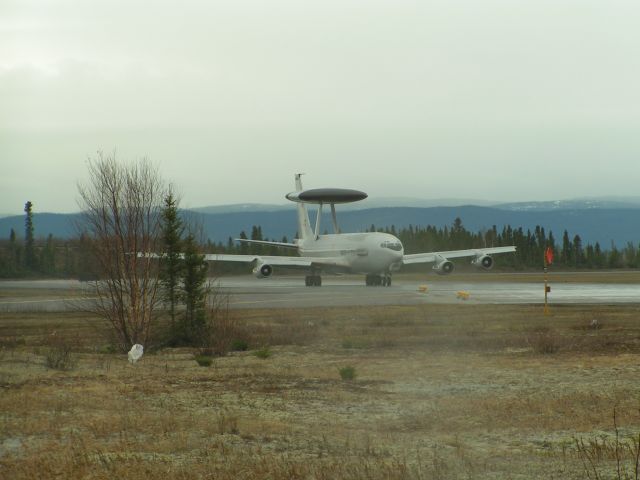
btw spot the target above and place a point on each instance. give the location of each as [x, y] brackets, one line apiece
[594, 225]
[53, 256]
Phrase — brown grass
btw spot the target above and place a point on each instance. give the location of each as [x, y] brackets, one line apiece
[466, 273]
[442, 391]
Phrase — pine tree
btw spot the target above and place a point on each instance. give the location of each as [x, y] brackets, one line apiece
[14, 262]
[457, 234]
[567, 249]
[256, 234]
[630, 255]
[68, 262]
[29, 248]
[194, 294]
[48, 257]
[171, 263]
[615, 257]
[578, 253]
[589, 256]
[244, 247]
[598, 256]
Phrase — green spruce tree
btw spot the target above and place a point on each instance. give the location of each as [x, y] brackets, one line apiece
[194, 295]
[14, 264]
[29, 245]
[244, 246]
[171, 263]
[48, 257]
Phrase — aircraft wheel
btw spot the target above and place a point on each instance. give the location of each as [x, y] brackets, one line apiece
[389, 281]
[307, 281]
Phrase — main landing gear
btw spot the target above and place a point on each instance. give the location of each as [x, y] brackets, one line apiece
[313, 280]
[378, 280]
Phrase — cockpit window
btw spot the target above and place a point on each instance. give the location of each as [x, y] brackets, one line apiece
[397, 246]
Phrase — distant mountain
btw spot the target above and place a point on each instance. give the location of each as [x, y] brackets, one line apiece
[603, 225]
[379, 202]
[392, 202]
[58, 224]
[241, 207]
[598, 225]
[586, 203]
[575, 204]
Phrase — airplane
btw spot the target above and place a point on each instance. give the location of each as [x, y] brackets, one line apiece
[377, 255]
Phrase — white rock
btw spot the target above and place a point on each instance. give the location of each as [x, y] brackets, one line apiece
[135, 353]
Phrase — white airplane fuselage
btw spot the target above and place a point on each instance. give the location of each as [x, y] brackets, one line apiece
[367, 253]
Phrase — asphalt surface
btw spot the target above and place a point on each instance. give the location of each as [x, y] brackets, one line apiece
[288, 292]
[291, 292]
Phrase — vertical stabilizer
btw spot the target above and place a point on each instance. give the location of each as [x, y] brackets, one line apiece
[304, 227]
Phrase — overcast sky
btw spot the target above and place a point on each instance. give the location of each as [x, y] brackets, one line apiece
[508, 100]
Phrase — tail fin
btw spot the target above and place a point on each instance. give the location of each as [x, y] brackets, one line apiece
[304, 226]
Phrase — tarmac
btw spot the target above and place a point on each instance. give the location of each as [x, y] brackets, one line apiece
[246, 291]
[291, 292]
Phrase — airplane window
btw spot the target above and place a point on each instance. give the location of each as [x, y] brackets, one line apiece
[397, 246]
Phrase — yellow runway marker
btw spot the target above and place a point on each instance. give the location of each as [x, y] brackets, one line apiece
[462, 295]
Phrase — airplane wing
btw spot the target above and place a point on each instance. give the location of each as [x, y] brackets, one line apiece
[270, 259]
[278, 260]
[440, 256]
[267, 242]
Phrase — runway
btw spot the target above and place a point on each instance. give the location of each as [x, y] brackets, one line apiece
[289, 292]
[246, 292]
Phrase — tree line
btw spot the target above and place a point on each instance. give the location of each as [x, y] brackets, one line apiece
[30, 256]
[570, 252]
[45, 257]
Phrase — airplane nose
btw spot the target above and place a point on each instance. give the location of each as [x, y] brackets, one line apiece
[396, 254]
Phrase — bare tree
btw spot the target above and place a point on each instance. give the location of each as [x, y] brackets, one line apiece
[121, 217]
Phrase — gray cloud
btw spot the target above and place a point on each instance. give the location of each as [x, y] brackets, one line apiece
[396, 98]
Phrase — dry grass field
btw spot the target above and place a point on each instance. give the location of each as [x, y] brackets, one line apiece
[429, 392]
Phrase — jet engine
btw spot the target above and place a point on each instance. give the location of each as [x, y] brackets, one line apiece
[484, 262]
[263, 270]
[445, 267]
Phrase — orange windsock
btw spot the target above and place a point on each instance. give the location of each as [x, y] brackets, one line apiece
[548, 256]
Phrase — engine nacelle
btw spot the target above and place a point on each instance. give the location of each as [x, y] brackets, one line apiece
[445, 267]
[263, 270]
[485, 262]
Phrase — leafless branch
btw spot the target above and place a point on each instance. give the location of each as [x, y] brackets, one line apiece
[120, 205]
